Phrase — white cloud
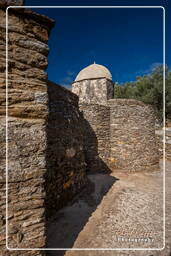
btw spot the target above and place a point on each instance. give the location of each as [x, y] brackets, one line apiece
[68, 79]
[148, 70]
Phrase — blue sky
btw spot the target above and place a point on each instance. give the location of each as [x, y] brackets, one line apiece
[127, 41]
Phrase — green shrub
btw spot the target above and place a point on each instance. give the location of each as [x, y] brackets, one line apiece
[149, 89]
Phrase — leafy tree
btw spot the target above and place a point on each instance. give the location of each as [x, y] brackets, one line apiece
[149, 89]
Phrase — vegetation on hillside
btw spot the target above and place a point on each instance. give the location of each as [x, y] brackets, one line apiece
[149, 89]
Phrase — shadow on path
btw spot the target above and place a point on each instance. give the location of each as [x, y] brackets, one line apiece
[68, 222]
[66, 128]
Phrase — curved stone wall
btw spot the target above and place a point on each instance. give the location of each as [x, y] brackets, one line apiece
[96, 123]
[27, 112]
[132, 135]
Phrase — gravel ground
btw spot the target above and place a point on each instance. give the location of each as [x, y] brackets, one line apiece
[116, 211]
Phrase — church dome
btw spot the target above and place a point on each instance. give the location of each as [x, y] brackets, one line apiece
[94, 71]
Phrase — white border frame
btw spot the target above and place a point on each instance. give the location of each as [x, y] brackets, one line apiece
[86, 249]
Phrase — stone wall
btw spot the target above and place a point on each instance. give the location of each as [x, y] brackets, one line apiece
[27, 111]
[94, 91]
[65, 153]
[96, 125]
[93, 96]
[46, 164]
[132, 135]
[50, 143]
[159, 135]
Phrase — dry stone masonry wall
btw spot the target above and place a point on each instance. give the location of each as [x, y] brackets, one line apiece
[51, 142]
[65, 152]
[46, 165]
[132, 135]
[96, 120]
[27, 113]
[119, 132]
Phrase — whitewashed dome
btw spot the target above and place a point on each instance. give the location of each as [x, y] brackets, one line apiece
[93, 71]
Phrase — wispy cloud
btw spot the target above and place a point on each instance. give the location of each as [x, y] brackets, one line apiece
[68, 79]
[147, 70]
[131, 76]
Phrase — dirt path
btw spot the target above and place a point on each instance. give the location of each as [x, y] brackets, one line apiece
[117, 211]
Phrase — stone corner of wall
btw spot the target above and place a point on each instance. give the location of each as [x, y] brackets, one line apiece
[46, 21]
[28, 13]
[63, 93]
[6, 3]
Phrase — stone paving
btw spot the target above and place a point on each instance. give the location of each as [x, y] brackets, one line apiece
[125, 213]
